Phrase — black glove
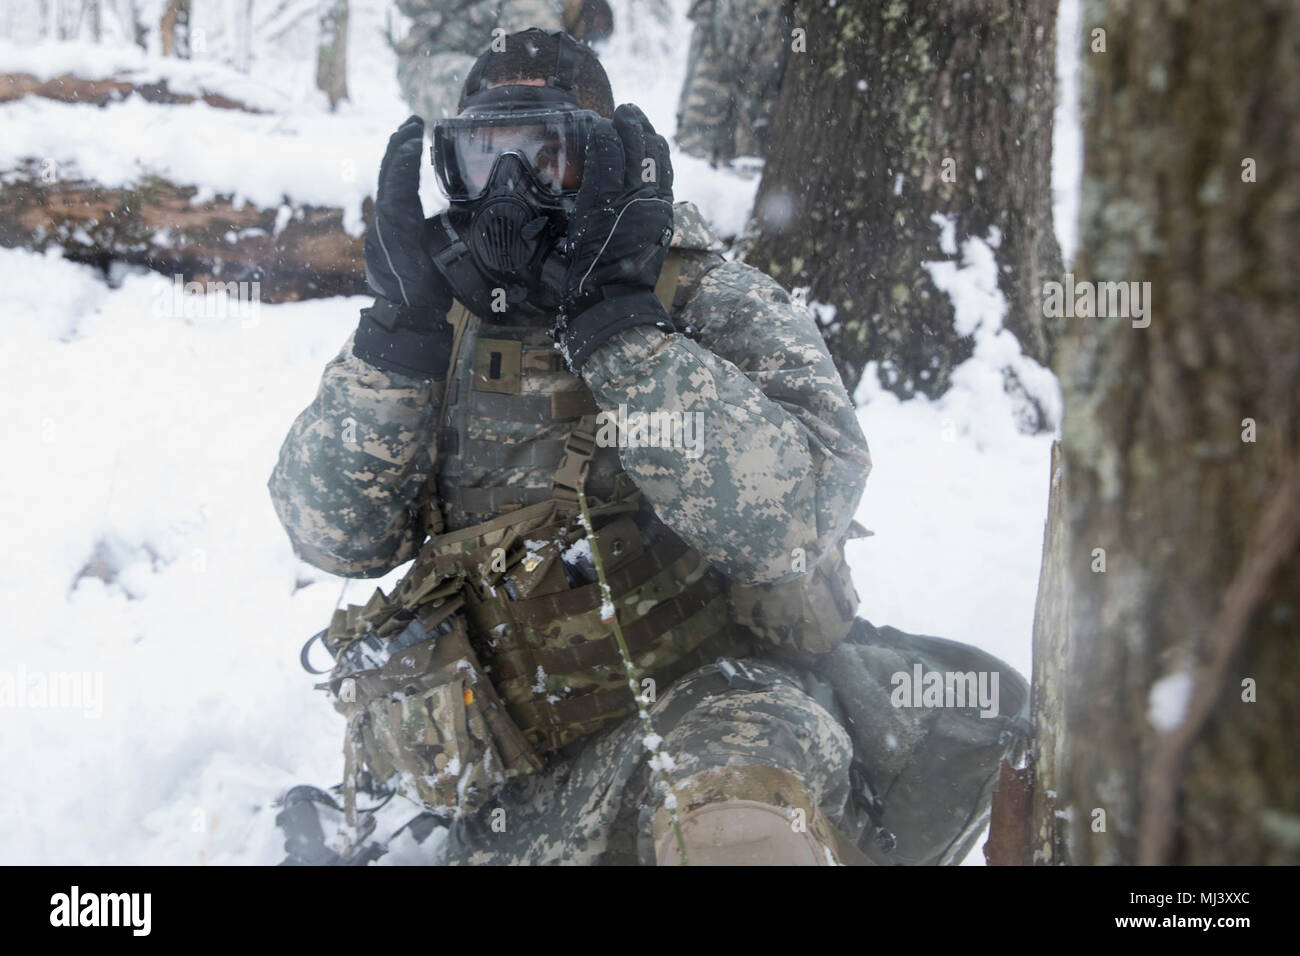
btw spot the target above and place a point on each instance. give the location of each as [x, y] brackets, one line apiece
[405, 330]
[618, 235]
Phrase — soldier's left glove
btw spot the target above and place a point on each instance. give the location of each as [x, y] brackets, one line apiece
[618, 235]
[405, 331]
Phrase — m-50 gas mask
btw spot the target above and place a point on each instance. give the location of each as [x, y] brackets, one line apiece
[511, 164]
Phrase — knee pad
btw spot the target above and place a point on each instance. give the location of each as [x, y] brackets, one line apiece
[751, 815]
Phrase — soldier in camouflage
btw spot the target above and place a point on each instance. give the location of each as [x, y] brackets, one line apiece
[733, 77]
[451, 438]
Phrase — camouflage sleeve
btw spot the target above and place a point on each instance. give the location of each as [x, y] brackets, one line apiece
[733, 79]
[352, 466]
[782, 461]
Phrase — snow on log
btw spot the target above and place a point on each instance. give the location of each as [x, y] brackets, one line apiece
[295, 251]
[69, 88]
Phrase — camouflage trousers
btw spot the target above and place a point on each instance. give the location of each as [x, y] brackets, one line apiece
[595, 805]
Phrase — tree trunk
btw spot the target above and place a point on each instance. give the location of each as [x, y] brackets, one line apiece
[1167, 665]
[332, 54]
[243, 39]
[132, 27]
[175, 29]
[898, 111]
[92, 8]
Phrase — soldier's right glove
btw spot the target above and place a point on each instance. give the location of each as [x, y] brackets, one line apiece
[618, 235]
[405, 331]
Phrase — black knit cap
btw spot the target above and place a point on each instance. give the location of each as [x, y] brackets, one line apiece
[561, 77]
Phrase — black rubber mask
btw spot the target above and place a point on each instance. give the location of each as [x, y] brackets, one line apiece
[513, 229]
[499, 251]
[511, 164]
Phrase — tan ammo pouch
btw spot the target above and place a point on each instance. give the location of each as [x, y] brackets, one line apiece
[803, 617]
[430, 721]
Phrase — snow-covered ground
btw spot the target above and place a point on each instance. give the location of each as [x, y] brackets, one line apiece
[140, 439]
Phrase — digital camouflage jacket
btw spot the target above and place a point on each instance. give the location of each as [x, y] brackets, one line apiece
[371, 467]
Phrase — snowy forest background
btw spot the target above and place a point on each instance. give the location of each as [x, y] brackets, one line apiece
[140, 544]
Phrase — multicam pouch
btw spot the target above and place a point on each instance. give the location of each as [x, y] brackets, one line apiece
[422, 715]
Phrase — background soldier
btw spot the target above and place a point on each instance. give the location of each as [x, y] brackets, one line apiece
[447, 35]
[733, 77]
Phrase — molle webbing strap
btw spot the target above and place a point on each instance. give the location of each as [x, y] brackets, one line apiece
[533, 516]
[424, 502]
[459, 319]
[672, 620]
[538, 612]
[491, 501]
[543, 455]
[541, 360]
[447, 541]
[573, 404]
[552, 725]
[532, 409]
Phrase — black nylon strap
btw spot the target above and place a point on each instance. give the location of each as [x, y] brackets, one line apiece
[304, 655]
[568, 61]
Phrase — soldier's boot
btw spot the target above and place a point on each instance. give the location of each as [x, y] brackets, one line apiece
[751, 815]
[306, 813]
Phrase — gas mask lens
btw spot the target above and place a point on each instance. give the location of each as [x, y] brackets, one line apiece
[551, 145]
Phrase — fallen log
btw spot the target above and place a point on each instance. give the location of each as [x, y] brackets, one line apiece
[69, 88]
[294, 251]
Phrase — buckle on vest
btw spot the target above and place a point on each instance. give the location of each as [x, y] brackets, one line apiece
[579, 448]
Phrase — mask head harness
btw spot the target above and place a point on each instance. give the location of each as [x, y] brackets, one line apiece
[510, 164]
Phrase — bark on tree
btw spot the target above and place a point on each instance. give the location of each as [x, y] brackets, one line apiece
[129, 14]
[243, 39]
[886, 92]
[92, 8]
[332, 53]
[175, 29]
[1167, 687]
